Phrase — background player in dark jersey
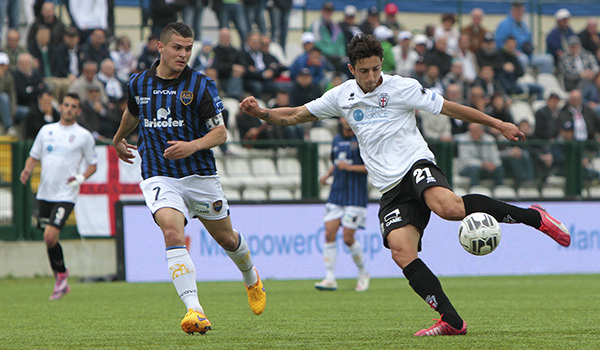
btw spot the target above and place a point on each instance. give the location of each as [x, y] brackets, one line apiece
[381, 111]
[179, 115]
[346, 206]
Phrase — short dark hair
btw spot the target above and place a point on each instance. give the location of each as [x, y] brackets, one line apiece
[178, 28]
[73, 96]
[363, 46]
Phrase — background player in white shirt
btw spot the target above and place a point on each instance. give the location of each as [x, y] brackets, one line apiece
[381, 111]
[61, 148]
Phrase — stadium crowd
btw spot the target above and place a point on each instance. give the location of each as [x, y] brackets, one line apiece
[491, 69]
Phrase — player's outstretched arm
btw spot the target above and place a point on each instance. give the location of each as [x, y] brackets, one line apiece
[278, 116]
[122, 147]
[471, 115]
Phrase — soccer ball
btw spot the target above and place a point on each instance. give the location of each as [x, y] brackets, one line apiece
[479, 233]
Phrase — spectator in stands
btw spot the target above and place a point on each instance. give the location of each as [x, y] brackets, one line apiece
[556, 40]
[255, 14]
[477, 98]
[478, 156]
[232, 10]
[439, 57]
[435, 127]
[421, 45]
[89, 15]
[125, 61]
[43, 52]
[391, 10]
[230, 65]
[98, 117]
[591, 94]
[274, 63]
[164, 12]
[586, 123]
[41, 114]
[475, 31]
[518, 164]
[467, 59]
[261, 69]
[385, 35]
[28, 84]
[578, 67]
[489, 54]
[420, 70]
[371, 22]
[95, 49]
[290, 132]
[192, 15]
[499, 109]
[304, 89]
[329, 37]
[88, 76]
[149, 54]
[449, 32]
[485, 80]
[561, 156]
[514, 24]
[541, 155]
[9, 9]
[431, 79]
[348, 25]
[66, 63]
[314, 62]
[511, 71]
[404, 55]
[205, 57]
[47, 19]
[454, 93]
[113, 88]
[547, 119]
[13, 48]
[456, 76]
[590, 38]
[8, 98]
[279, 15]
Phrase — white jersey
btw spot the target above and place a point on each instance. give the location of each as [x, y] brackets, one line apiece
[61, 150]
[384, 122]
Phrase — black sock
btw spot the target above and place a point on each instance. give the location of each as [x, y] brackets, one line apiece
[501, 211]
[57, 261]
[428, 287]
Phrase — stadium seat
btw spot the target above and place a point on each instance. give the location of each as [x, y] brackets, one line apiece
[289, 170]
[324, 193]
[318, 134]
[283, 194]
[232, 194]
[6, 204]
[264, 172]
[232, 106]
[238, 171]
[526, 78]
[594, 192]
[551, 84]
[460, 191]
[505, 192]
[374, 194]
[481, 190]
[522, 110]
[254, 194]
[553, 192]
[528, 193]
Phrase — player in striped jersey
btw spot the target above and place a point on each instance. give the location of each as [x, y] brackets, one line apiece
[346, 206]
[380, 109]
[178, 111]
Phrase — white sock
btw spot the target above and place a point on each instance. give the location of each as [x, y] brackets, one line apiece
[183, 274]
[329, 257]
[243, 260]
[357, 256]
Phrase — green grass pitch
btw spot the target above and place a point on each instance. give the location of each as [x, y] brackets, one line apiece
[524, 312]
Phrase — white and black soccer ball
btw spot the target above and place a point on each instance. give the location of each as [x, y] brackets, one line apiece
[479, 233]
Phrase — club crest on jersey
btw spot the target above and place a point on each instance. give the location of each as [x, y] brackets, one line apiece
[383, 99]
[186, 97]
[71, 138]
[218, 205]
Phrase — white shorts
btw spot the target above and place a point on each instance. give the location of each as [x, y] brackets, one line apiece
[199, 196]
[353, 217]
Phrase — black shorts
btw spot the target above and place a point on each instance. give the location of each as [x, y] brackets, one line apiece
[54, 213]
[404, 203]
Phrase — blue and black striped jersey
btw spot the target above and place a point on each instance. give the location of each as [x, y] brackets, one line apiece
[173, 110]
[349, 187]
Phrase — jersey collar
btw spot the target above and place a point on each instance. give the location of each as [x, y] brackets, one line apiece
[152, 73]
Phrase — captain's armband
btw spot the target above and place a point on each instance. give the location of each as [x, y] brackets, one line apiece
[215, 121]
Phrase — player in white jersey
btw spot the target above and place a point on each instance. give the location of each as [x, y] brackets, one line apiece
[381, 111]
[61, 148]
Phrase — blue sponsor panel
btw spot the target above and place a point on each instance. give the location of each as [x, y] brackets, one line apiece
[286, 241]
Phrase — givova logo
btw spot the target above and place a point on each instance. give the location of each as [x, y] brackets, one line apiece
[163, 120]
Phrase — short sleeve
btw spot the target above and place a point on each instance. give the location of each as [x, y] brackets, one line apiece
[36, 148]
[418, 97]
[325, 106]
[89, 150]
